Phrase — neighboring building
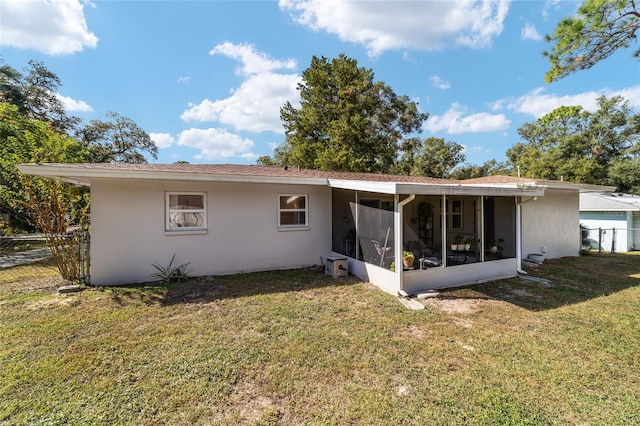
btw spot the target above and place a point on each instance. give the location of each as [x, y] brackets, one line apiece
[613, 220]
[225, 219]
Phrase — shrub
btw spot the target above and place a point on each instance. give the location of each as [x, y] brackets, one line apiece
[171, 273]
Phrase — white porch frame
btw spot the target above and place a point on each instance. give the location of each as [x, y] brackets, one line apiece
[401, 282]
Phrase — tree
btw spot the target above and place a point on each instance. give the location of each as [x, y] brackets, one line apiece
[49, 205]
[433, 157]
[346, 121]
[280, 157]
[625, 169]
[119, 140]
[599, 28]
[488, 168]
[11, 88]
[578, 145]
[25, 140]
[35, 95]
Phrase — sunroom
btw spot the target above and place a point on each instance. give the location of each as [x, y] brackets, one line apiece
[407, 238]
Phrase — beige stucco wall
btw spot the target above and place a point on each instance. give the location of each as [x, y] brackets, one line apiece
[552, 221]
[128, 230]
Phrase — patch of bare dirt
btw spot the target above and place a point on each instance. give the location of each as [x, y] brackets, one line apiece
[253, 406]
[51, 303]
[454, 306]
[463, 322]
[466, 347]
[416, 331]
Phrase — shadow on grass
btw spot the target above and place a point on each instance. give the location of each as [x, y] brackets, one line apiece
[571, 280]
[211, 288]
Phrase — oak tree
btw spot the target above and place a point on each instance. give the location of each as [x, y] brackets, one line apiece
[579, 145]
[117, 140]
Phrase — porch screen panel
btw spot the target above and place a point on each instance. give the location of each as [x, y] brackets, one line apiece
[375, 231]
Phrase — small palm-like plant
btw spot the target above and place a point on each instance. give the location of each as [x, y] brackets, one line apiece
[171, 273]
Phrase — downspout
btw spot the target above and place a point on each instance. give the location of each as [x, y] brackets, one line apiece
[519, 234]
[357, 219]
[399, 238]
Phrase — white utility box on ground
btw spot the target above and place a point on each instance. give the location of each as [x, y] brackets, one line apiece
[336, 267]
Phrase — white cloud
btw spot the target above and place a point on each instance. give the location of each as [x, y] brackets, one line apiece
[53, 27]
[253, 62]
[529, 32]
[549, 5]
[215, 143]
[249, 156]
[439, 83]
[386, 25]
[454, 122]
[184, 79]
[255, 105]
[73, 105]
[537, 103]
[497, 105]
[476, 149]
[162, 140]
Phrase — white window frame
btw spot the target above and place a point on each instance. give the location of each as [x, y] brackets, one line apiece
[305, 210]
[190, 229]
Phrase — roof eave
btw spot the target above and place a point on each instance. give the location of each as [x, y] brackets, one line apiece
[582, 187]
[86, 176]
[437, 189]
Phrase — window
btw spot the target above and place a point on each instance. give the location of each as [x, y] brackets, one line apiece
[186, 211]
[456, 214]
[292, 210]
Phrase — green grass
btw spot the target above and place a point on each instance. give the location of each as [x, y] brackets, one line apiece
[21, 245]
[295, 347]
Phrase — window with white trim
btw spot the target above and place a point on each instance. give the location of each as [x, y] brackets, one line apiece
[292, 210]
[186, 211]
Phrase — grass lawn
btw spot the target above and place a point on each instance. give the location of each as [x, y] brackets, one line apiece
[296, 347]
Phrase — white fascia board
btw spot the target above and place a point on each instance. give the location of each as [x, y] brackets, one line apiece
[87, 174]
[615, 209]
[473, 190]
[582, 187]
[436, 189]
[363, 185]
[53, 172]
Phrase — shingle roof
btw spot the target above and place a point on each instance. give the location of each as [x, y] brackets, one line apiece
[496, 179]
[85, 173]
[608, 202]
[255, 170]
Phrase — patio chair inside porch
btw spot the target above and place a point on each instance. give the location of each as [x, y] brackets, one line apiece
[376, 253]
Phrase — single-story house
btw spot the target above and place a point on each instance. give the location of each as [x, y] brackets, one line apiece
[613, 220]
[225, 219]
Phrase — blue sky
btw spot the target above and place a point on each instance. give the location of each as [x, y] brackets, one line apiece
[206, 79]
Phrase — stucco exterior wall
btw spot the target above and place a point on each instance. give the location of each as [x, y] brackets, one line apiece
[553, 222]
[128, 230]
